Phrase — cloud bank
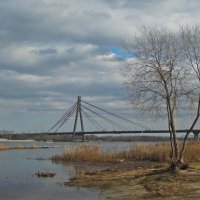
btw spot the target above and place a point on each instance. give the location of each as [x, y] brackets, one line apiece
[51, 51]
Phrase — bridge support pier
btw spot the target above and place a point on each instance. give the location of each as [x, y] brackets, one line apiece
[78, 112]
[196, 135]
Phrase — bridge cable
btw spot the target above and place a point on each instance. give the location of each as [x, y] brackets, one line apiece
[106, 119]
[93, 121]
[67, 118]
[96, 124]
[113, 114]
[64, 116]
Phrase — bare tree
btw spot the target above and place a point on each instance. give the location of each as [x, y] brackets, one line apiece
[156, 78]
[190, 40]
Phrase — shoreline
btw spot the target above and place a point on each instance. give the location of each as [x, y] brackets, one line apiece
[6, 140]
[141, 182]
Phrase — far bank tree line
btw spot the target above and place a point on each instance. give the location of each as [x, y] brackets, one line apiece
[162, 75]
[63, 138]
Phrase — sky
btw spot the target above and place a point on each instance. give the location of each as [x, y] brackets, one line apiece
[52, 51]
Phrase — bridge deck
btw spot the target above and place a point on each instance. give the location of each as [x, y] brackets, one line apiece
[123, 132]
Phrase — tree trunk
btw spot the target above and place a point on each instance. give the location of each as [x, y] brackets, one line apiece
[188, 132]
[171, 137]
[173, 131]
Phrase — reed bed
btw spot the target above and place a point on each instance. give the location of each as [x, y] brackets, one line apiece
[18, 147]
[3, 147]
[86, 153]
[152, 152]
[192, 153]
[159, 152]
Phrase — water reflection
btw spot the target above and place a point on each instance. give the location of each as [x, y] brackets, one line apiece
[18, 180]
[18, 168]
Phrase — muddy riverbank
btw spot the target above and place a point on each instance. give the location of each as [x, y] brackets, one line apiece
[142, 180]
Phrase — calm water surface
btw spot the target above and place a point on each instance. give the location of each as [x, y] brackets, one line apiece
[18, 168]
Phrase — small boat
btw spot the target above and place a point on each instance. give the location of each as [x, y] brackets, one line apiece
[50, 141]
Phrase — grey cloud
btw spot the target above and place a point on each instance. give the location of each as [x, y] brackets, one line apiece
[48, 23]
[132, 3]
[44, 51]
[52, 51]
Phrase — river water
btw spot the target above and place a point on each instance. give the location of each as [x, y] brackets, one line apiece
[19, 182]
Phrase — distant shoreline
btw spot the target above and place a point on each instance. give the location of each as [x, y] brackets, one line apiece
[26, 137]
[6, 140]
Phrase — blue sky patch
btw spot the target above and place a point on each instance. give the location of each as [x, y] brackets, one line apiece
[119, 52]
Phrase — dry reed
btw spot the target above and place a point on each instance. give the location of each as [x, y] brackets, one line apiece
[152, 152]
[159, 152]
[3, 147]
[19, 147]
[192, 152]
[86, 153]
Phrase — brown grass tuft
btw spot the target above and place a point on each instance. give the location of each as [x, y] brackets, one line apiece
[3, 147]
[19, 147]
[85, 153]
[192, 152]
[152, 152]
[159, 152]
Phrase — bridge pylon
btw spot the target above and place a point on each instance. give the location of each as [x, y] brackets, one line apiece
[78, 113]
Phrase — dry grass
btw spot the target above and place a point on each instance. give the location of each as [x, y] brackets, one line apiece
[18, 147]
[141, 184]
[138, 183]
[192, 153]
[152, 152]
[3, 147]
[159, 152]
[86, 153]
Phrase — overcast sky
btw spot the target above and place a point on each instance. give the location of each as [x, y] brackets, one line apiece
[51, 51]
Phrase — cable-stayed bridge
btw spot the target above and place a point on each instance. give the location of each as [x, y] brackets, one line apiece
[98, 117]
